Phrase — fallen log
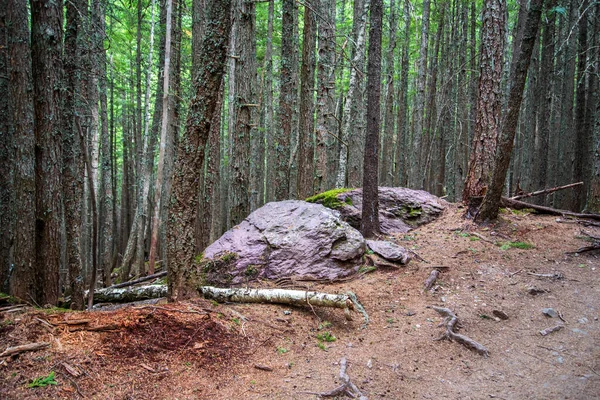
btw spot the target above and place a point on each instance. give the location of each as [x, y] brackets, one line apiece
[451, 321]
[546, 191]
[519, 205]
[129, 294]
[347, 302]
[11, 351]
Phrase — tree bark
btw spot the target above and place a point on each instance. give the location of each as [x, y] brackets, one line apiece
[46, 55]
[370, 206]
[184, 201]
[164, 127]
[325, 92]
[351, 107]
[415, 178]
[244, 107]
[386, 176]
[287, 100]
[489, 101]
[306, 118]
[401, 165]
[491, 201]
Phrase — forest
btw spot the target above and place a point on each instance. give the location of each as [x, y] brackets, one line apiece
[135, 133]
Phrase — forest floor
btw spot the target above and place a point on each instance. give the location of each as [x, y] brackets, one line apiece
[202, 350]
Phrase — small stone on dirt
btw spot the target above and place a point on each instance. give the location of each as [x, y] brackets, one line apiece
[410, 313]
[500, 314]
[583, 320]
[550, 312]
[532, 290]
[548, 331]
[390, 251]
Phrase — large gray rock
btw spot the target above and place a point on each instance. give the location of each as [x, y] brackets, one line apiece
[390, 251]
[284, 239]
[400, 209]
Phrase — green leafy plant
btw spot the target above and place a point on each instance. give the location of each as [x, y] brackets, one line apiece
[324, 325]
[282, 350]
[236, 321]
[321, 345]
[43, 381]
[326, 337]
[516, 245]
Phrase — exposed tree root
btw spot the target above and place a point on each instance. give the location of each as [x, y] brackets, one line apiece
[11, 351]
[450, 322]
[347, 388]
[431, 280]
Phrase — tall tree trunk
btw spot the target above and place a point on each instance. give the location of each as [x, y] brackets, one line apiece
[387, 149]
[244, 111]
[401, 165]
[164, 126]
[287, 100]
[20, 85]
[489, 101]
[370, 202]
[544, 95]
[135, 245]
[184, 201]
[351, 107]
[415, 176]
[491, 202]
[73, 163]
[306, 118]
[105, 194]
[593, 115]
[6, 153]
[325, 91]
[583, 138]
[46, 55]
[267, 107]
[356, 130]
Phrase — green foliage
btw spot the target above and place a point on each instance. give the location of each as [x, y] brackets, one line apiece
[236, 321]
[281, 350]
[43, 381]
[365, 269]
[322, 346]
[326, 337]
[329, 198]
[516, 245]
[324, 325]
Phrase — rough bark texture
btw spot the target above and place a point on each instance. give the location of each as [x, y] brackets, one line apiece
[370, 209]
[325, 92]
[283, 240]
[73, 163]
[491, 202]
[287, 100]
[400, 166]
[386, 174]
[184, 201]
[350, 135]
[46, 54]
[415, 163]
[6, 153]
[489, 100]
[244, 47]
[306, 153]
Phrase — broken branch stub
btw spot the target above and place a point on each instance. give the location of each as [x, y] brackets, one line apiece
[346, 302]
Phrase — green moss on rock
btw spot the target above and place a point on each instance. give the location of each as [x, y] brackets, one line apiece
[330, 198]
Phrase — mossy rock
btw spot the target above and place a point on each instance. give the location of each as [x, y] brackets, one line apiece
[330, 198]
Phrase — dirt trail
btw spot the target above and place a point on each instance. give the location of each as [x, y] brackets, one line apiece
[202, 350]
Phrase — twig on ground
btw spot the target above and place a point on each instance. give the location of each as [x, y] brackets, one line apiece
[556, 275]
[514, 273]
[263, 367]
[450, 322]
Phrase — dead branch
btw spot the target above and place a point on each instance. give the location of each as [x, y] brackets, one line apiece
[546, 191]
[263, 367]
[556, 275]
[519, 205]
[139, 280]
[23, 348]
[450, 322]
[595, 244]
[577, 221]
[347, 388]
[431, 280]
